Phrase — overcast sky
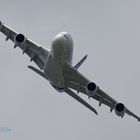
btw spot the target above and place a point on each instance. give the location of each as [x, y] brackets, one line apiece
[109, 32]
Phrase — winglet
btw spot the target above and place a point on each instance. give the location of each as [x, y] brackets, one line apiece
[80, 62]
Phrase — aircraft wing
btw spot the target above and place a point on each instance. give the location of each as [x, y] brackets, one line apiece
[75, 80]
[36, 53]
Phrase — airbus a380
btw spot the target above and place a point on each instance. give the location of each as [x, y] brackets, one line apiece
[55, 65]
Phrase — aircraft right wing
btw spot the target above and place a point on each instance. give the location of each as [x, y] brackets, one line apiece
[75, 80]
[36, 53]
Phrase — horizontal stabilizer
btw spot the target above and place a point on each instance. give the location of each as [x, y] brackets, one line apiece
[80, 62]
[75, 96]
[38, 71]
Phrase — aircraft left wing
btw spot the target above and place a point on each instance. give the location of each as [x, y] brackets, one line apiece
[36, 53]
[75, 80]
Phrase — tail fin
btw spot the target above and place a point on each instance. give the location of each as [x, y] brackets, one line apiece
[80, 62]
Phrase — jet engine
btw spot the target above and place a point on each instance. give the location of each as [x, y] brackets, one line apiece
[91, 88]
[120, 109]
[19, 39]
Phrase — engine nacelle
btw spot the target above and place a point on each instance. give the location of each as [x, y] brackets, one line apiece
[19, 39]
[120, 109]
[91, 88]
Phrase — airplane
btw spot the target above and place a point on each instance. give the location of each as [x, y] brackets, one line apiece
[55, 65]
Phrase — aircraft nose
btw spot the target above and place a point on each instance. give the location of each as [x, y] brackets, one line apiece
[59, 39]
[62, 39]
[66, 35]
[60, 36]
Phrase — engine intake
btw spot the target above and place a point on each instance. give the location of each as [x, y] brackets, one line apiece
[120, 109]
[91, 88]
[20, 38]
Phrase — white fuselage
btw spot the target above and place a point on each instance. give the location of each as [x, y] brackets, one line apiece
[61, 53]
